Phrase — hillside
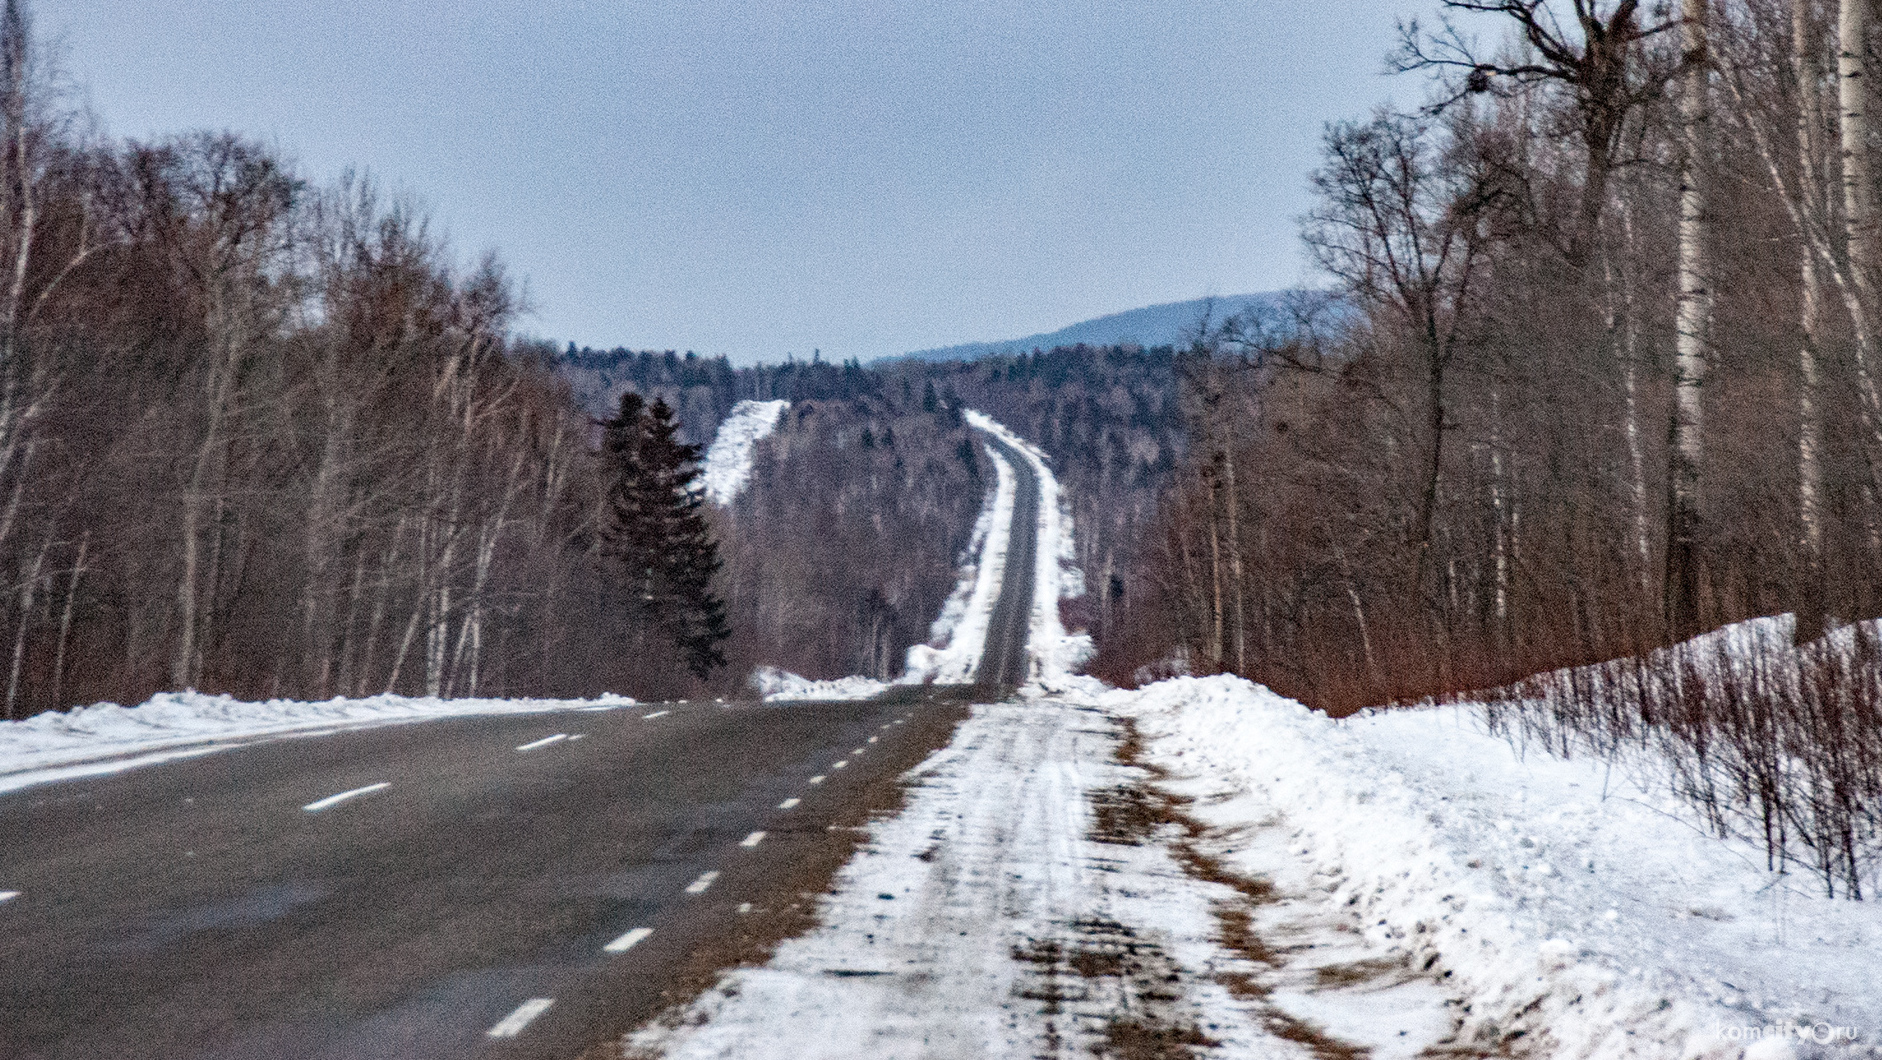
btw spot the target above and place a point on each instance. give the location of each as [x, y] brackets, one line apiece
[1169, 324]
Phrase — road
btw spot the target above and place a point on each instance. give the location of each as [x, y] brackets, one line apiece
[504, 887]
[1004, 664]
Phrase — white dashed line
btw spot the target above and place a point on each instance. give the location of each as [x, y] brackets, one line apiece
[655, 714]
[744, 907]
[873, 739]
[818, 779]
[524, 1015]
[320, 804]
[704, 881]
[628, 941]
[752, 840]
[544, 742]
[8, 896]
[856, 752]
[788, 803]
[841, 764]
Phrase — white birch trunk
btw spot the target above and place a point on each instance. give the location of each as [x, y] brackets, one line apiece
[1693, 321]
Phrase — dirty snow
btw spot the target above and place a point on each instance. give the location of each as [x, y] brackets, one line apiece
[984, 921]
[108, 738]
[728, 461]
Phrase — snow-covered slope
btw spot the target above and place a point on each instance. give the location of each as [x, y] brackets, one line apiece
[727, 464]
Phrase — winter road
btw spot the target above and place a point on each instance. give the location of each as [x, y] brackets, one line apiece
[512, 886]
[403, 891]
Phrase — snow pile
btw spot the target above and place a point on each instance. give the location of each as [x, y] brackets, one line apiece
[728, 459]
[984, 921]
[108, 738]
[1559, 902]
[774, 685]
[1056, 576]
[959, 635]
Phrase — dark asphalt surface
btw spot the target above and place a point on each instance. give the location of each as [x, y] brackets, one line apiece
[1004, 664]
[194, 909]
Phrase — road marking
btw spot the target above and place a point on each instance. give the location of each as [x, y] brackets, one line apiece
[544, 742]
[578, 736]
[628, 941]
[320, 804]
[524, 1015]
[744, 907]
[818, 779]
[873, 739]
[841, 764]
[788, 803]
[655, 714]
[752, 840]
[856, 752]
[8, 896]
[704, 881]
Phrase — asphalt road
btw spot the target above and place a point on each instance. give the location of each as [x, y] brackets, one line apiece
[196, 909]
[1004, 664]
[419, 891]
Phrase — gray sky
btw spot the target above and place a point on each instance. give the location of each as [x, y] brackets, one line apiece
[757, 177]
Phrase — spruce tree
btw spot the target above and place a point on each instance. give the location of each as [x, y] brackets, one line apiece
[658, 534]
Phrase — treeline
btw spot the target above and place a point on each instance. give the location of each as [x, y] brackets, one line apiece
[841, 552]
[263, 437]
[1601, 375]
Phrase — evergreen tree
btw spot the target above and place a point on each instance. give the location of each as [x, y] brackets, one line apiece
[658, 534]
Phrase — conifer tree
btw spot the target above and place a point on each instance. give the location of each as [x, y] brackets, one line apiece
[658, 534]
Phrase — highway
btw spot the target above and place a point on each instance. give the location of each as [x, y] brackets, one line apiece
[508, 886]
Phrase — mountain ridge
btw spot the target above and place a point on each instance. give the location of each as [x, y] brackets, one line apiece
[1163, 324]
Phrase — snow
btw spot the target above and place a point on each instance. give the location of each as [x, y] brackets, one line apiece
[775, 685]
[1561, 899]
[727, 465]
[961, 914]
[108, 738]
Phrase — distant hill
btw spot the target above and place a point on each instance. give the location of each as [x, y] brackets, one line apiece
[1169, 324]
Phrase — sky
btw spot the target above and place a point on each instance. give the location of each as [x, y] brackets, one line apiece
[762, 178]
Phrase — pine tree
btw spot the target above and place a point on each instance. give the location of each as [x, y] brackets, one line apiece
[658, 534]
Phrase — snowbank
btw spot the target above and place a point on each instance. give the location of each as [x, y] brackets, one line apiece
[775, 685]
[108, 738]
[727, 465]
[1556, 898]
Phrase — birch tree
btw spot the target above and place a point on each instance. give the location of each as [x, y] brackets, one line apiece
[1686, 440]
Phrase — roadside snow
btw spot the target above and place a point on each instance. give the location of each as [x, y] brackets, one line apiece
[959, 635]
[985, 921]
[108, 738]
[727, 465]
[1557, 900]
[775, 685]
[1055, 653]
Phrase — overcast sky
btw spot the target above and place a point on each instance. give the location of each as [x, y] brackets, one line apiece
[760, 177]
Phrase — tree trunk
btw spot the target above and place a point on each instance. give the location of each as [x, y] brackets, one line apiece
[1693, 320]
